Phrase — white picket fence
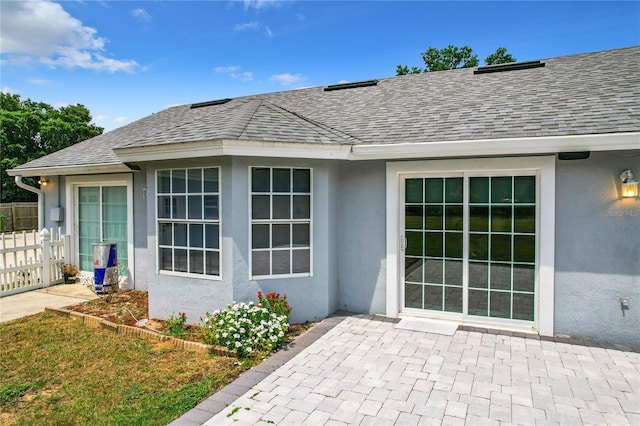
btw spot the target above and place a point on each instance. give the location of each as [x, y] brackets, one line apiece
[31, 260]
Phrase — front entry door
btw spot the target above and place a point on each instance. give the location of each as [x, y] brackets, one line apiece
[471, 245]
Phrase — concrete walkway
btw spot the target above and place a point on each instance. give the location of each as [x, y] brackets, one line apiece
[362, 370]
[34, 301]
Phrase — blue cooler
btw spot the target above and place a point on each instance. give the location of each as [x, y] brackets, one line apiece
[105, 267]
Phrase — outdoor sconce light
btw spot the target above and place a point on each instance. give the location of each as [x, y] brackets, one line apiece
[43, 181]
[629, 187]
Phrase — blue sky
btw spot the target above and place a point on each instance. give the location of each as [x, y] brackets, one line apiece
[128, 59]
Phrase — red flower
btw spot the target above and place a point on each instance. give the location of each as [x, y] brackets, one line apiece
[259, 294]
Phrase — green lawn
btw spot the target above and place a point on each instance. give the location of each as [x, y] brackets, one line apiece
[54, 370]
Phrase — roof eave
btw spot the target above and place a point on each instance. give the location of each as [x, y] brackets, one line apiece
[497, 147]
[242, 148]
[83, 169]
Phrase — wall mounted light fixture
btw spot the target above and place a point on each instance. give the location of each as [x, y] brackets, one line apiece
[629, 187]
[43, 181]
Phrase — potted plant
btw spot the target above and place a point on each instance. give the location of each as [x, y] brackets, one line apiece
[69, 272]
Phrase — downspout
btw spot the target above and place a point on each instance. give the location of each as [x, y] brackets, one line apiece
[18, 180]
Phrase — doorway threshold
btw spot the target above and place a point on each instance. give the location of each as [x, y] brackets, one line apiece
[428, 325]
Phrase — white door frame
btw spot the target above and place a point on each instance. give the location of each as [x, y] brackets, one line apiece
[71, 193]
[545, 169]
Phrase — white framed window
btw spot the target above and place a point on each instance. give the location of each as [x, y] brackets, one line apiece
[280, 222]
[188, 217]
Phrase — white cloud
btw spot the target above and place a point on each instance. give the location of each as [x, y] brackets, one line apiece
[235, 72]
[287, 79]
[40, 82]
[121, 119]
[100, 117]
[42, 31]
[268, 31]
[262, 4]
[9, 90]
[141, 14]
[247, 26]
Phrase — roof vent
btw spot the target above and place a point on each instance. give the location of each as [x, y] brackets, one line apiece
[210, 103]
[511, 66]
[351, 85]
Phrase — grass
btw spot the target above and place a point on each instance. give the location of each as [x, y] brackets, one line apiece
[55, 370]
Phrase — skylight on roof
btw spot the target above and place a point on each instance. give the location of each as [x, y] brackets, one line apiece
[511, 66]
[353, 85]
[210, 103]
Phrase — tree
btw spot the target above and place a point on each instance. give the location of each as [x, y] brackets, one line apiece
[453, 57]
[500, 56]
[29, 130]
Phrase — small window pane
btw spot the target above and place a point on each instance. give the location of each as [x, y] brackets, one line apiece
[433, 245]
[302, 180]
[195, 206]
[478, 274]
[500, 276]
[453, 217]
[211, 209]
[260, 207]
[196, 261]
[260, 263]
[433, 297]
[501, 248]
[164, 207]
[414, 243]
[433, 219]
[478, 302]
[453, 190]
[525, 188]
[166, 259]
[433, 190]
[413, 217]
[479, 190]
[524, 278]
[413, 296]
[281, 180]
[180, 234]
[259, 236]
[260, 179]
[212, 266]
[413, 191]
[212, 236]
[501, 189]
[166, 234]
[301, 261]
[178, 181]
[211, 180]
[523, 306]
[453, 245]
[164, 181]
[479, 218]
[453, 272]
[179, 207]
[479, 246]
[281, 262]
[301, 235]
[501, 218]
[180, 260]
[500, 304]
[525, 219]
[196, 235]
[433, 271]
[195, 180]
[524, 249]
[453, 299]
[413, 269]
[282, 207]
[301, 207]
[281, 236]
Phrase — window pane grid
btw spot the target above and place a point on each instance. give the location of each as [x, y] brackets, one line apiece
[280, 221]
[188, 220]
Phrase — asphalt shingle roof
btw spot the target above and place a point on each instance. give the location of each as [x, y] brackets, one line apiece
[590, 93]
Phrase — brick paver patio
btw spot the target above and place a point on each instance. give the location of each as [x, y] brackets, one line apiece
[366, 371]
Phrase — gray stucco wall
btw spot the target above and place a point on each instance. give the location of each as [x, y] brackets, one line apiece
[597, 249]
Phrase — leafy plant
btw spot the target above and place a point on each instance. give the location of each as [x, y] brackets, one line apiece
[275, 303]
[3, 222]
[176, 325]
[69, 269]
[246, 328]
